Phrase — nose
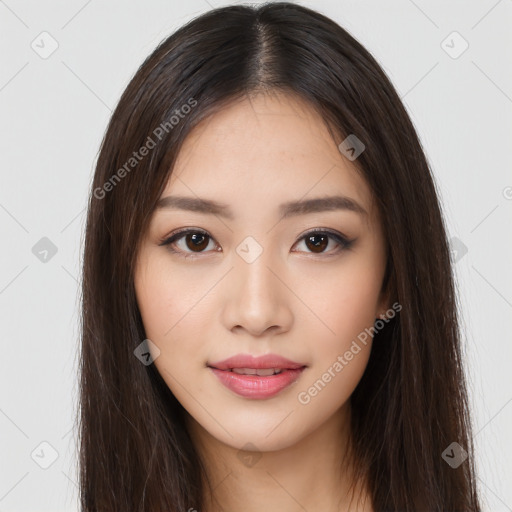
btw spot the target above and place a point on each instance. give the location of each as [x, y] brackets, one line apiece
[257, 299]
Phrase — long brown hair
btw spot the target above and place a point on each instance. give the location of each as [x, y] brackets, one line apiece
[411, 403]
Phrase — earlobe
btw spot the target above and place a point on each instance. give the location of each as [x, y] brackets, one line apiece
[385, 299]
[384, 304]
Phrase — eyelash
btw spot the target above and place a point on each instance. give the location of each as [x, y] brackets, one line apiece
[177, 235]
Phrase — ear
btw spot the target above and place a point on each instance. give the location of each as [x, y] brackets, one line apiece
[387, 293]
[383, 305]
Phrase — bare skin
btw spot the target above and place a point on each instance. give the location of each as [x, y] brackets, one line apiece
[305, 304]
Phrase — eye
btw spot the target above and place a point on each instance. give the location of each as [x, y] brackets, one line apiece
[196, 241]
[318, 240]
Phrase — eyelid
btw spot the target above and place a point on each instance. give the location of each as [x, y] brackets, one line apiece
[328, 231]
[183, 231]
[343, 241]
[176, 235]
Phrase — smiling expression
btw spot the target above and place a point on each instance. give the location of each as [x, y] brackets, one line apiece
[246, 254]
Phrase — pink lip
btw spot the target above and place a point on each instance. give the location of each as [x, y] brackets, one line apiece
[256, 386]
[248, 361]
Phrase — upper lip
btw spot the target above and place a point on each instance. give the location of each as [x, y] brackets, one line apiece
[249, 361]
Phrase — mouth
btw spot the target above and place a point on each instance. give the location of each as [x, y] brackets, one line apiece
[261, 372]
[257, 377]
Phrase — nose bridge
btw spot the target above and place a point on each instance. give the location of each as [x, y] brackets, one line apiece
[256, 281]
[256, 298]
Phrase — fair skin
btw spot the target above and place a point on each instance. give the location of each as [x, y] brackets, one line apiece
[302, 303]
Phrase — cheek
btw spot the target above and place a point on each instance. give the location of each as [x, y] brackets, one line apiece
[340, 354]
[343, 339]
[171, 302]
[165, 296]
[353, 307]
[345, 300]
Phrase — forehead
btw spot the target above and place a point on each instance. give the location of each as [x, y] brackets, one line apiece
[262, 150]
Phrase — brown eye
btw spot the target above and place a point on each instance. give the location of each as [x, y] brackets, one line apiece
[189, 242]
[196, 241]
[317, 243]
[192, 241]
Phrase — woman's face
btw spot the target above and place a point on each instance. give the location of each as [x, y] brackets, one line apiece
[248, 281]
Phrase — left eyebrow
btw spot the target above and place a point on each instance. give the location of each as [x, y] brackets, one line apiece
[321, 204]
[289, 209]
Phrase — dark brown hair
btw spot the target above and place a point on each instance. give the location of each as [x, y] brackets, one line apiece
[411, 403]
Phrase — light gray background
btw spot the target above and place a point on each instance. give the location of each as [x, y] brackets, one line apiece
[53, 115]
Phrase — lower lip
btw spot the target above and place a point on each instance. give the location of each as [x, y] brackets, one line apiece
[255, 386]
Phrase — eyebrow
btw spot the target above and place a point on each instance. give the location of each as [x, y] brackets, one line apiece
[289, 209]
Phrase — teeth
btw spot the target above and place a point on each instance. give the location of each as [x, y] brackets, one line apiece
[244, 371]
[262, 372]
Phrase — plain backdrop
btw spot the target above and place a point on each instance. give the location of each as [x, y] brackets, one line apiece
[63, 68]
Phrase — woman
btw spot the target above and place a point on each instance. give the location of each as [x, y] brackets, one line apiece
[269, 314]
